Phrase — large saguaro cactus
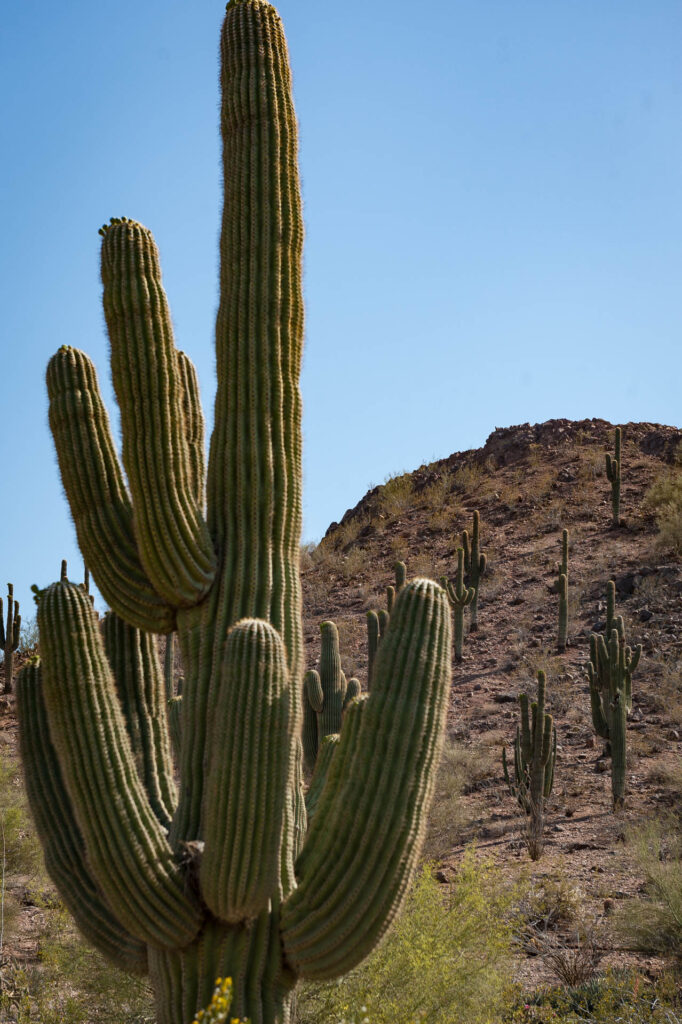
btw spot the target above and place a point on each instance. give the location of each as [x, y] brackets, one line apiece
[9, 635]
[234, 885]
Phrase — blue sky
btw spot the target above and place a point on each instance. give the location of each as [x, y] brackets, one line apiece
[493, 205]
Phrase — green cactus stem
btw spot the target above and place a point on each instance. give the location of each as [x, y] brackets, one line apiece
[475, 563]
[459, 596]
[10, 633]
[613, 475]
[534, 763]
[562, 639]
[236, 886]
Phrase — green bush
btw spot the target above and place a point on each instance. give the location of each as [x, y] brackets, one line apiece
[617, 996]
[664, 499]
[654, 922]
[446, 960]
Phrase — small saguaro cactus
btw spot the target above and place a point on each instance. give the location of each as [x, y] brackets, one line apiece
[237, 885]
[459, 597]
[377, 622]
[475, 563]
[613, 474]
[610, 668]
[534, 762]
[327, 694]
[10, 632]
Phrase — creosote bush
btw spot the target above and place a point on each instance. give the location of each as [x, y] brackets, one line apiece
[446, 960]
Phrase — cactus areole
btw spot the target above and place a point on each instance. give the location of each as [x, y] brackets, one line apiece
[228, 881]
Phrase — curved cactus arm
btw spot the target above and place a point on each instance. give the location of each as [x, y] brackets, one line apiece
[172, 537]
[384, 620]
[127, 849]
[96, 492]
[322, 766]
[247, 782]
[390, 598]
[313, 698]
[353, 690]
[60, 836]
[400, 570]
[134, 661]
[194, 427]
[333, 681]
[353, 874]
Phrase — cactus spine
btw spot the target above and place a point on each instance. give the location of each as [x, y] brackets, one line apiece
[534, 762]
[237, 887]
[10, 631]
[475, 563]
[613, 472]
[459, 597]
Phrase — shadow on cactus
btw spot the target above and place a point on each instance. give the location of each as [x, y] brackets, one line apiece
[222, 878]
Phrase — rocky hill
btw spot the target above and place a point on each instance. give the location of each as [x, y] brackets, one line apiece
[529, 483]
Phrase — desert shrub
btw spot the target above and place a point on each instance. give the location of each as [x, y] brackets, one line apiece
[461, 769]
[71, 983]
[664, 499]
[28, 637]
[622, 996]
[397, 494]
[446, 959]
[654, 922]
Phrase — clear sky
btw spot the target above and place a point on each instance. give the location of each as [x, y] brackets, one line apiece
[493, 205]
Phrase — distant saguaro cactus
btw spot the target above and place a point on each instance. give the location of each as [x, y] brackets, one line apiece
[610, 669]
[459, 597]
[475, 563]
[613, 475]
[327, 694]
[237, 886]
[377, 622]
[534, 762]
[10, 632]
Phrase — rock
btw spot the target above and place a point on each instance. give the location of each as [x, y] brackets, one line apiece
[505, 698]
[608, 907]
[600, 767]
[673, 735]
[645, 614]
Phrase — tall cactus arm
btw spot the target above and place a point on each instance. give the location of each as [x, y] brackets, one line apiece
[194, 427]
[333, 681]
[247, 780]
[172, 537]
[134, 661]
[255, 463]
[126, 847]
[60, 836]
[353, 690]
[549, 771]
[96, 492]
[312, 705]
[357, 863]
